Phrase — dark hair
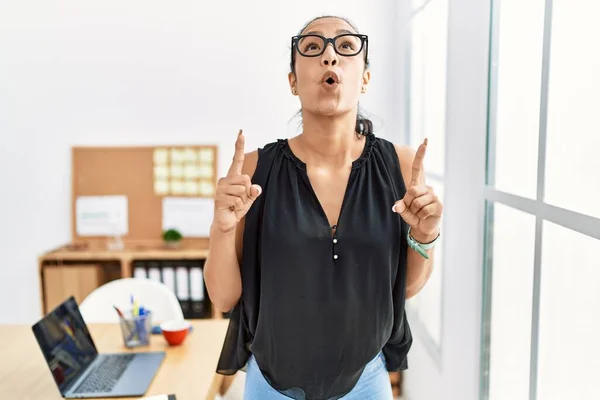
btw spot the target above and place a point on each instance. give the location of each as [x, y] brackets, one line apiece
[364, 126]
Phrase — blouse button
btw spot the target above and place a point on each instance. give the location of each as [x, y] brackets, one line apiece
[334, 240]
[335, 256]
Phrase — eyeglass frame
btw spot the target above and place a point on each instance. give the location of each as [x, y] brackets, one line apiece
[364, 44]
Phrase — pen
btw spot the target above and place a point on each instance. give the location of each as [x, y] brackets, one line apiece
[119, 312]
[127, 323]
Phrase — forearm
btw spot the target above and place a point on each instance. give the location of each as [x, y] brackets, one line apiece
[418, 268]
[222, 271]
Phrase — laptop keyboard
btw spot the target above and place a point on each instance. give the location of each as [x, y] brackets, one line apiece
[105, 376]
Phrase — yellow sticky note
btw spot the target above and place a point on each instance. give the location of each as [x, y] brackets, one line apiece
[191, 188]
[189, 155]
[177, 187]
[206, 156]
[161, 172]
[176, 156]
[161, 156]
[206, 188]
[161, 187]
[205, 171]
[190, 172]
[177, 171]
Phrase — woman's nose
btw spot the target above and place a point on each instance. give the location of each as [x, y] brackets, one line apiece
[329, 57]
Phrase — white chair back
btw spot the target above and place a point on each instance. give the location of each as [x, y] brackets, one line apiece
[98, 306]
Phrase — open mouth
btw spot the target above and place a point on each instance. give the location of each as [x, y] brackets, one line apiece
[330, 78]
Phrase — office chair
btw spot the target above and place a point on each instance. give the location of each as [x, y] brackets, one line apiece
[97, 307]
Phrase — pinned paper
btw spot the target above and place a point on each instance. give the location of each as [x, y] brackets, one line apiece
[184, 171]
[189, 155]
[101, 215]
[206, 155]
[161, 187]
[176, 156]
[190, 172]
[205, 171]
[191, 188]
[206, 189]
[161, 156]
[176, 171]
[177, 187]
[191, 216]
[161, 172]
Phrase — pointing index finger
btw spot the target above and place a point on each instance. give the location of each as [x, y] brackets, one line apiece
[417, 168]
[238, 156]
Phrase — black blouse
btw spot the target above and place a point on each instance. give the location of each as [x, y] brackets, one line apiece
[316, 307]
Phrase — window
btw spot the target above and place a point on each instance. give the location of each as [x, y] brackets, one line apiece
[512, 275]
[573, 135]
[518, 80]
[427, 106]
[542, 272]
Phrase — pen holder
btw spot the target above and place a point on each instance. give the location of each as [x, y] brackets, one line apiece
[136, 329]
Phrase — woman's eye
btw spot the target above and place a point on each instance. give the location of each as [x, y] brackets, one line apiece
[311, 46]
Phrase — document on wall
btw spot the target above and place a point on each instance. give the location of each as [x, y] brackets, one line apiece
[191, 216]
[101, 215]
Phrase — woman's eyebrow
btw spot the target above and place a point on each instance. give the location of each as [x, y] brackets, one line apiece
[338, 32]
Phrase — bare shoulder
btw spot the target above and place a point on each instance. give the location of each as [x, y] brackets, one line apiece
[406, 156]
[250, 162]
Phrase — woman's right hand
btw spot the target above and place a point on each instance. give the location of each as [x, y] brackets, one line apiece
[235, 193]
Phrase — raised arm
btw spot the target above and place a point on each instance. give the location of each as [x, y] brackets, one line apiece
[234, 197]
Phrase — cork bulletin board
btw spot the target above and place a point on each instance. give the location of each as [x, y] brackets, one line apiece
[145, 175]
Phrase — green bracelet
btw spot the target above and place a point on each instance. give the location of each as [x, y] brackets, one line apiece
[420, 247]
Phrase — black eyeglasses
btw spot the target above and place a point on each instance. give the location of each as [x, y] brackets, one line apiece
[347, 45]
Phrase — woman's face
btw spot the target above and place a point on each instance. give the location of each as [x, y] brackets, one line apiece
[308, 82]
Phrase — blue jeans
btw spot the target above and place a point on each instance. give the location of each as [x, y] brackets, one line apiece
[373, 384]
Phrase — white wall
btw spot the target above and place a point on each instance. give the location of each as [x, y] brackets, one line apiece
[143, 72]
[455, 374]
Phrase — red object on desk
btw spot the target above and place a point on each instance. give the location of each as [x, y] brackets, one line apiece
[175, 331]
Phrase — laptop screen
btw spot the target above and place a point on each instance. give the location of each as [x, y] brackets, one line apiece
[65, 342]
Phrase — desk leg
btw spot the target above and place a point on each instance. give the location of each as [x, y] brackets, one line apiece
[215, 387]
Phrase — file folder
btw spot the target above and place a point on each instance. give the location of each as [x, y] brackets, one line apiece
[184, 277]
[199, 307]
[168, 275]
[139, 270]
[182, 284]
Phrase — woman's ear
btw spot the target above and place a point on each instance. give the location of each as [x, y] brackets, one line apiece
[365, 81]
[292, 81]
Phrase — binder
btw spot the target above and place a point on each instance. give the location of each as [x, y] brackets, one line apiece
[182, 284]
[185, 278]
[154, 271]
[139, 270]
[198, 305]
[168, 275]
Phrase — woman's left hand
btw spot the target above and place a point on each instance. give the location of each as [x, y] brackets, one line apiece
[420, 208]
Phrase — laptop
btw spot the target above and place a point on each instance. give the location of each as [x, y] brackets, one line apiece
[76, 366]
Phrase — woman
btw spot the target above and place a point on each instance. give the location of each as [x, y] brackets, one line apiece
[318, 240]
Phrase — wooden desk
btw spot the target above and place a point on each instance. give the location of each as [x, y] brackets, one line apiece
[187, 371]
